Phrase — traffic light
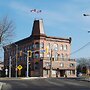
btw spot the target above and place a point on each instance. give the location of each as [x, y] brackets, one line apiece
[29, 53]
[20, 53]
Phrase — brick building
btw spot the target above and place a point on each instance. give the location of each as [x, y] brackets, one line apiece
[50, 55]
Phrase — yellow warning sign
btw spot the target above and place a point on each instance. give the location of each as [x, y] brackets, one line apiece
[19, 67]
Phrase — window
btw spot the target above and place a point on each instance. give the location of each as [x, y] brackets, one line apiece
[61, 47]
[33, 46]
[41, 45]
[41, 54]
[25, 58]
[36, 45]
[36, 54]
[30, 47]
[55, 47]
[61, 64]
[73, 71]
[65, 47]
[72, 65]
[56, 56]
[48, 55]
[62, 56]
[66, 57]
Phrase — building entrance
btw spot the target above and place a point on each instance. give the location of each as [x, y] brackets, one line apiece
[62, 73]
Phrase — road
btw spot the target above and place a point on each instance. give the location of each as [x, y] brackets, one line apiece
[46, 84]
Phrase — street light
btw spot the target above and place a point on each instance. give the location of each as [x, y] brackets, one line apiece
[86, 14]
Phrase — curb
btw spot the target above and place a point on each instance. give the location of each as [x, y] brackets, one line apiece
[33, 78]
[83, 79]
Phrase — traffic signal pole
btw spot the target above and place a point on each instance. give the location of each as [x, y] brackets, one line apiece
[16, 58]
[27, 65]
[50, 75]
[10, 67]
[29, 54]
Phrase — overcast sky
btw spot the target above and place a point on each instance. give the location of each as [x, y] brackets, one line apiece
[61, 18]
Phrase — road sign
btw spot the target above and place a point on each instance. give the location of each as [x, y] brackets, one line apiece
[42, 51]
[19, 67]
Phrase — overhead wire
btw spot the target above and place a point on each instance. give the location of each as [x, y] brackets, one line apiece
[80, 48]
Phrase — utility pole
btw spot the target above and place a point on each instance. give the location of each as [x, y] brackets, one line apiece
[50, 75]
[27, 65]
[10, 67]
[16, 58]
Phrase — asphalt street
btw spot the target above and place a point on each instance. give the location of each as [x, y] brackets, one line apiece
[45, 84]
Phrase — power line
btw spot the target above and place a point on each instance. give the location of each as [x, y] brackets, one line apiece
[80, 48]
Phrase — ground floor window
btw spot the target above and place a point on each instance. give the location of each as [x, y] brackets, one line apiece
[45, 72]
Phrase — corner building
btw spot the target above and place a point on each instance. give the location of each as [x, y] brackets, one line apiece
[50, 55]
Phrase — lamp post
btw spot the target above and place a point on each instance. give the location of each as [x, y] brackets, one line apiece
[16, 57]
[51, 64]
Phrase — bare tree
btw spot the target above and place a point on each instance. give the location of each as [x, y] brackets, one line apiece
[6, 30]
[83, 64]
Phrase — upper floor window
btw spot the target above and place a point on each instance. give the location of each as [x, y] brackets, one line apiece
[48, 55]
[37, 45]
[41, 54]
[66, 56]
[30, 47]
[61, 64]
[55, 47]
[61, 47]
[62, 56]
[56, 56]
[42, 45]
[72, 65]
[65, 47]
[36, 54]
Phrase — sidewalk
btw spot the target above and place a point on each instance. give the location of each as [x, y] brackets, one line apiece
[84, 79]
[22, 78]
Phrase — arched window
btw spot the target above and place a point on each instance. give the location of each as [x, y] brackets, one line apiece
[37, 45]
[36, 54]
[61, 64]
[62, 56]
[65, 47]
[61, 47]
[72, 65]
[56, 56]
[41, 54]
[55, 47]
[42, 45]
